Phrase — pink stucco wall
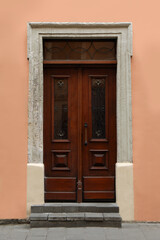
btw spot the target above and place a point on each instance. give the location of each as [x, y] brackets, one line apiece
[145, 17]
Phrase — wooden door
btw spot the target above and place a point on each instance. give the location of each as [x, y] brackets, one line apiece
[60, 133]
[99, 138]
[79, 133]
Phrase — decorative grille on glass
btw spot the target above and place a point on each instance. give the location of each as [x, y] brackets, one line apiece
[79, 49]
[60, 108]
[98, 108]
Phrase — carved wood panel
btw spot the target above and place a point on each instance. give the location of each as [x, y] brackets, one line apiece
[98, 159]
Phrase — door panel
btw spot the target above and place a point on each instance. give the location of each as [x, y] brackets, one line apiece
[98, 188]
[60, 189]
[79, 133]
[60, 133]
[99, 121]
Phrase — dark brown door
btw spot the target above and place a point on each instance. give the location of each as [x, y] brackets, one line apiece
[99, 127]
[79, 133]
[60, 133]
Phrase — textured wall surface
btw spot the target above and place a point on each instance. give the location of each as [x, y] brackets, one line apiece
[14, 16]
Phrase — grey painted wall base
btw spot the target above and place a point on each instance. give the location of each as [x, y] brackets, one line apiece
[123, 33]
[14, 221]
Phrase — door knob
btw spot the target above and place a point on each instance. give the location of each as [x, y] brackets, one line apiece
[85, 134]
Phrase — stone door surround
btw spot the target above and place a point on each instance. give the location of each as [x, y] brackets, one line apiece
[123, 33]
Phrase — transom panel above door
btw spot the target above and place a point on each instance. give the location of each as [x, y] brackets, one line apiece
[80, 133]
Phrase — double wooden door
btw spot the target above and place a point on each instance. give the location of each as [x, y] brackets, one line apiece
[80, 133]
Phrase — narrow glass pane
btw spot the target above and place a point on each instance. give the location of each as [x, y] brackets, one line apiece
[60, 108]
[79, 49]
[98, 108]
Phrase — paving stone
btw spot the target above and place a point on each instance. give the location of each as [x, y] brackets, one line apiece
[79, 231]
[93, 216]
[22, 227]
[4, 229]
[75, 216]
[4, 237]
[38, 216]
[74, 237]
[36, 238]
[133, 234]
[93, 230]
[114, 234]
[95, 237]
[18, 237]
[57, 217]
[12, 233]
[56, 233]
[152, 233]
[53, 237]
[129, 225]
[61, 230]
[95, 233]
[38, 232]
[129, 231]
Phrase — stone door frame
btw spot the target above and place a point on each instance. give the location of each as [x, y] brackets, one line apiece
[124, 167]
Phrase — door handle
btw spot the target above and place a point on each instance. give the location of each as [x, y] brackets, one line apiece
[85, 134]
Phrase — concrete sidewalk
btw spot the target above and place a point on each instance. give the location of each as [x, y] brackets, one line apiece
[129, 231]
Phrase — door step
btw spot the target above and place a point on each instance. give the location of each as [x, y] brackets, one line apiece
[75, 215]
